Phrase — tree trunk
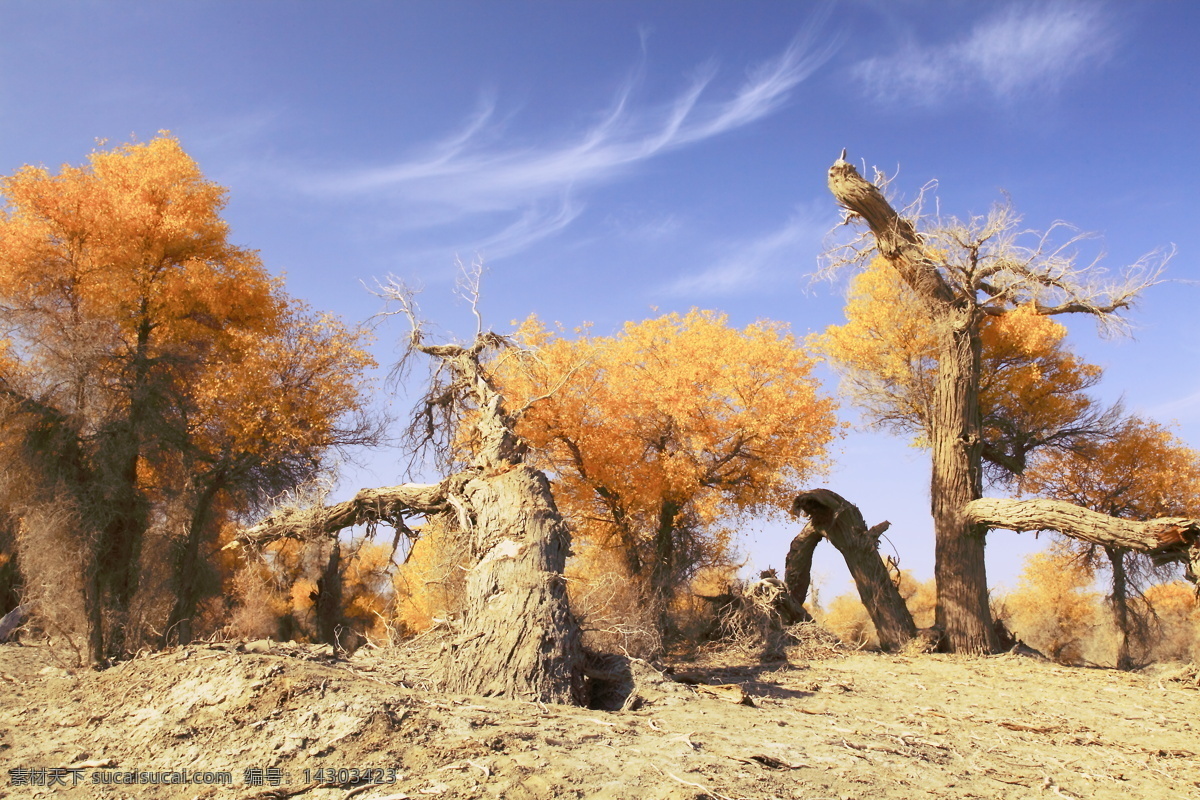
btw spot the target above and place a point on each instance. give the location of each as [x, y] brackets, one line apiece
[180, 627]
[518, 638]
[93, 607]
[956, 434]
[797, 567]
[1120, 606]
[842, 524]
[329, 595]
[1164, 540]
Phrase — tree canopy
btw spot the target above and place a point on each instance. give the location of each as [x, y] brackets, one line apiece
[661, 436]
[154, 374]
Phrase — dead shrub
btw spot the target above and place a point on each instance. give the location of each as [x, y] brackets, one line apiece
[615, 610]
[51, 541]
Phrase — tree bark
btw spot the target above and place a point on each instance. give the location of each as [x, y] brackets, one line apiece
[1166, 539]
[518, 637]
[842, 524]
[956, 434]
[797, 567]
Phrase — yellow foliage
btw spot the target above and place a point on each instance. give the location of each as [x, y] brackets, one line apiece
[1053, 608]
[847, 619]
[1176, 621]
[659, 436]
[430, 582]
[1142, 472]
[887, 355]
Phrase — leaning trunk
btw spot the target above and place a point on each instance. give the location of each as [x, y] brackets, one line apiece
[963, 614]
[797, 566]
[518, 637]
[842, 524]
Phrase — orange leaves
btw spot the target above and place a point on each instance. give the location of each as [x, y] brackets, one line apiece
[133, 238]
[129, 309]
[273, 396]
[1143, 471]
[681, 415]
[1031, 386]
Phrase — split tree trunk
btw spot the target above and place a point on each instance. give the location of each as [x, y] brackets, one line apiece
[842, 524]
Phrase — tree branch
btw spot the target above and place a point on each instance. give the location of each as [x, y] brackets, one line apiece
[896, 238]
[1166, 539]
[389, 505]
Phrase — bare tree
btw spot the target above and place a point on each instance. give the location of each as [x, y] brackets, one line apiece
[964, 272]
[518, 637]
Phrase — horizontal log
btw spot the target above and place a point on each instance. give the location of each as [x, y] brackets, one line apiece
[388, 504]
[1167, 539]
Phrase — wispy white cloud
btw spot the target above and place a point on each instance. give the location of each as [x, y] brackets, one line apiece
[474, 174]
[1021, 48]
[753, 263]
[535, 223]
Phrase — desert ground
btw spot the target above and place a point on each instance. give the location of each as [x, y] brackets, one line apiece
[290, 720]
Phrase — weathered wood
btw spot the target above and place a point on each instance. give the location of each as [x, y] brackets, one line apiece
[518, 637]
[1165, 539]
[797, 566]
[842, 524]
[389, 504]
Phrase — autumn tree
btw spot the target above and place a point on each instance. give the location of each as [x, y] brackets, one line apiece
[668, 432]
[1032, 388]
[1141, 472]
[964, 272]
[261, 418]
[124, 302]
[1054, 607]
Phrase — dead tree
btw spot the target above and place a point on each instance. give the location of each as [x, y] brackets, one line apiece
[836, 519]
[975, 271]
[518, 637]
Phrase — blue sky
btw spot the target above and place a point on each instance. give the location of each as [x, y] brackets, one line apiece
[607, 159]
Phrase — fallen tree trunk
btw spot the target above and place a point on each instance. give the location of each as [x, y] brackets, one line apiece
[1167, 539]
[842, 524]
[389, 504]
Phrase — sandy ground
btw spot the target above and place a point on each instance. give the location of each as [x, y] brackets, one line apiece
[290, 721]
